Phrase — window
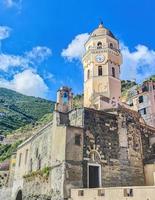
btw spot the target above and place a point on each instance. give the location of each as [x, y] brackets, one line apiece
[111, 46]
[131, 104]
[88, 74]
[153, 148]
[80, 193]
[101, 192]
[20, 158]
[141, 100]
[128, 192]
[31, 165]
[100, 71]
[99, 45]
[78, 140]
[37, 153]
[113, 71]
[39, 162]
[26, 155]
[143, 111]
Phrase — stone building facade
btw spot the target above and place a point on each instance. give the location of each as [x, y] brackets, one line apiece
[142, 100]
[83, 148]
[102, 144]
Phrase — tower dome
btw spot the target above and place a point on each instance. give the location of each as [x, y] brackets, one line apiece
[101, 31]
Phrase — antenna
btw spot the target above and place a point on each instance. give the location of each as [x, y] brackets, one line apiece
[101, 22]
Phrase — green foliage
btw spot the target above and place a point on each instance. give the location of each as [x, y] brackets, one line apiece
[151, 78]
[127, 84]
[35, 126]
[78, 101]
[17, 110]
[41, 172]
[8, 149]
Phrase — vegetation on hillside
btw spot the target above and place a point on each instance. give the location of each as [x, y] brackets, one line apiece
[127, 84]
[17, 110]
[152, 78]
[8, 149]
[34, 126]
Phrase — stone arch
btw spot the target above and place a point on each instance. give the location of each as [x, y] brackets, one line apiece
[94, 155]
[19, 195]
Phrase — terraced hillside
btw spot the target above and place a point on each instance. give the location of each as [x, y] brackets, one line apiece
[17, 110]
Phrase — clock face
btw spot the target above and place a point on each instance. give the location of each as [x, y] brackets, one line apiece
[100, 58]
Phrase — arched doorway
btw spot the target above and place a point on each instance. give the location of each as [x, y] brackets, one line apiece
[19, 195]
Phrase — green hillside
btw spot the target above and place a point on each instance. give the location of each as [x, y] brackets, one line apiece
[17, 110]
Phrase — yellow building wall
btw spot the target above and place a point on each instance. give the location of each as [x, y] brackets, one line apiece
[149, 171]
[114, 193]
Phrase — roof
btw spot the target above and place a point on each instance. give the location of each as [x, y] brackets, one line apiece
[101, 30]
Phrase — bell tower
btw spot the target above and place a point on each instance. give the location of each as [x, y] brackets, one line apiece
[64, 99]
[101, 62]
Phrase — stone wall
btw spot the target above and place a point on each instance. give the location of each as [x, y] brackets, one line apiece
[76, 117]
[115, 139]
[36, 187]
[4, 178]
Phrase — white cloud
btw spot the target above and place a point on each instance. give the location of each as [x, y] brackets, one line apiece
[49, 76]
[8, 61]
[4, 32]
[13, 3]
[138, 64]
[21, 68]
[26, 82]
[31, 58]
[75, 49]
[38, 53]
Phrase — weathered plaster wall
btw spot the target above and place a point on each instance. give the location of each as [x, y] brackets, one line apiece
[36, 148]
[5, 193]
[74, 158]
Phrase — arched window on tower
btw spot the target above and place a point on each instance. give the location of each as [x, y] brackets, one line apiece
[99, 70]
[113, 71]
[65, 98]
[111, 45]
[88, 74]
[99, 45]
[20, 158]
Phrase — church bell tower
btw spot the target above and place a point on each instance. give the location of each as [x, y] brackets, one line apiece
[64, 99]
[101, 62]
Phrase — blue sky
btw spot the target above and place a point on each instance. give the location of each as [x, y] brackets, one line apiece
[42, 41]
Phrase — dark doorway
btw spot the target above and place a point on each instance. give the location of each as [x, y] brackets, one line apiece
[93, 176]
[19, 195]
